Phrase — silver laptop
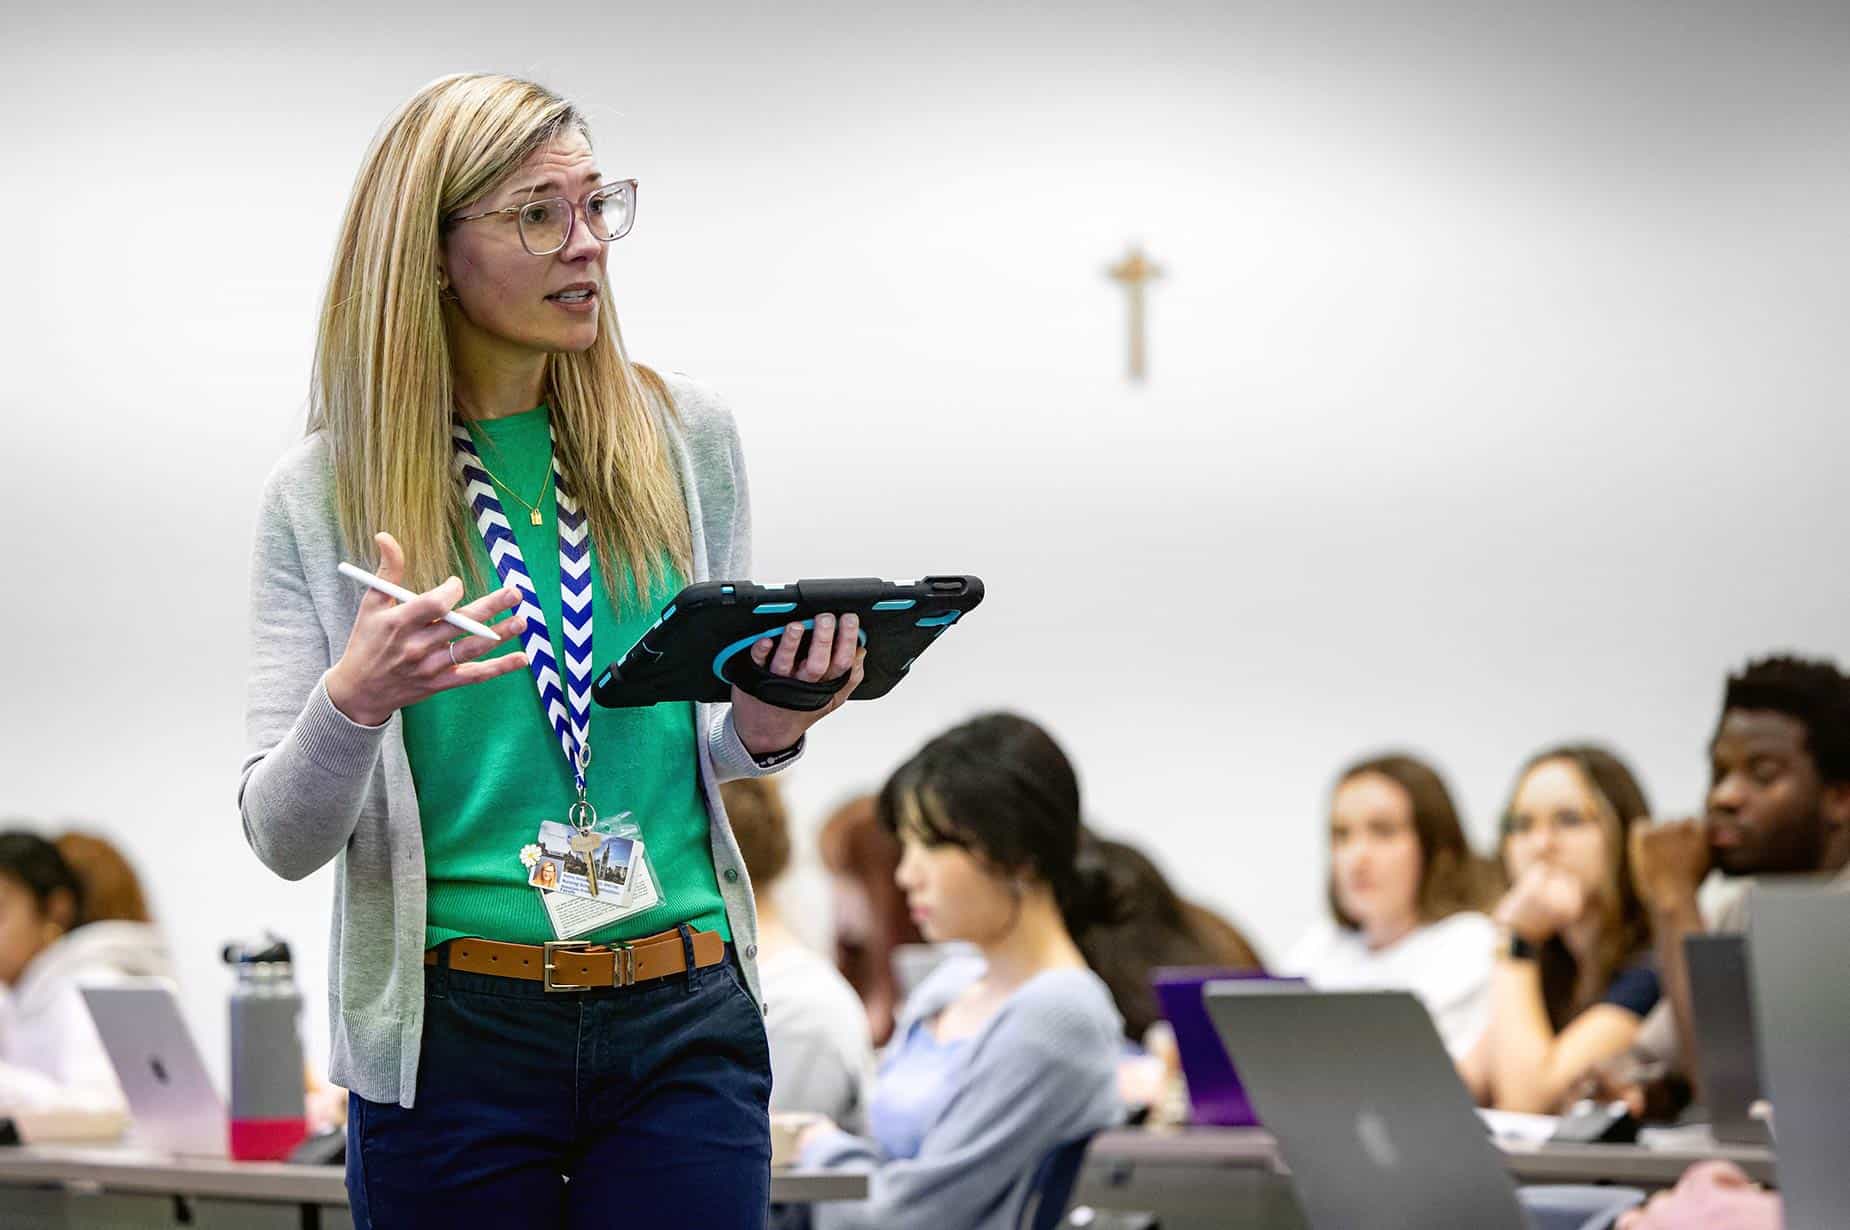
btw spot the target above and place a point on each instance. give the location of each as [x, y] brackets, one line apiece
[1727, 1058]
[170, 1095]
[1366, 1107]
[1798, 957]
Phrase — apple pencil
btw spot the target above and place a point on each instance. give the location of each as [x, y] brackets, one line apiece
[404, 595]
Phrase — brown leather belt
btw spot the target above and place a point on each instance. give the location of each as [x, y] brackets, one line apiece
[576, 965]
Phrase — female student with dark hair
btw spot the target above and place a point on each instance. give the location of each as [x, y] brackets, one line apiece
[1406, 896]
[1142, 924]
[998, 1057]
[51, 1060]
[1574, 976]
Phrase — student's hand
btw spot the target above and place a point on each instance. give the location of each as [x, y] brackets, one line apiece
[812, 1132]
[1710, 1196]
[1669, 861]
[1617, 1080]
[1541, 903]
[766, 728]
[401, 652]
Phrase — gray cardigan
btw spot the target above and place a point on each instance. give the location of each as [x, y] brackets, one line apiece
[317, 786]
[1043, 1071]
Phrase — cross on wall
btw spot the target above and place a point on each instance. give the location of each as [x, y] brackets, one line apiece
[1135, 272]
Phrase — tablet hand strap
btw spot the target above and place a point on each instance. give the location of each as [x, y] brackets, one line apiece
[783, 691]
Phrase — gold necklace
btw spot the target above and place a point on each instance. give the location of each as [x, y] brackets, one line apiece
[533, 509]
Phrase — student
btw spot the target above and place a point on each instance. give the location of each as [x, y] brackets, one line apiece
[1575, 977]
[111, 889]
[821, 1058]
[1405, 899]
[51, 1060]
[473, 414]
[1146, 925]
[869, 910]
[1779, 803]
[1002, 1056]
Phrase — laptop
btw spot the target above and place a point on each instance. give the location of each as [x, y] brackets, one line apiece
[1366, 1107]
[170, 1095]
[1798, 959]
[1727, 1060]
[1215, 1095]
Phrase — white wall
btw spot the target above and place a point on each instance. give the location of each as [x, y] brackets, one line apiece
[1497, 382]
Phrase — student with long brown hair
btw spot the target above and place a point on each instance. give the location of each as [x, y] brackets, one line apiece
[1406, 896]
[1574, 976]
[474, 415]
[870, 915]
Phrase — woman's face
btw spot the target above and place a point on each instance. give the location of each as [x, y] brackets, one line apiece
[1375, 861]
[25, 930]
[951, 894]
[507, 299]
[1555, 821]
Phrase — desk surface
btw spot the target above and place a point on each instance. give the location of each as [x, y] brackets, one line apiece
[1529, 1163]
[129, 1170]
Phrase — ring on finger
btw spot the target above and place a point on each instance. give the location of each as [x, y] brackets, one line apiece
[452, 649]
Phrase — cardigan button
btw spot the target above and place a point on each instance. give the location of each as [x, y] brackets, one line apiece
[732, 875]
[751, 952]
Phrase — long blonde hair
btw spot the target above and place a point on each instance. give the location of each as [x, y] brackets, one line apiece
[382, 390]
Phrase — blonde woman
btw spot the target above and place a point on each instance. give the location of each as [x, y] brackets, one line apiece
[474, 416]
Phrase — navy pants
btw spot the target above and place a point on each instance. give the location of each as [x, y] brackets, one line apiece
[625, 1106]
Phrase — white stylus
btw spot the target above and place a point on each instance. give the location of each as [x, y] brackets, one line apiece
[404, 595]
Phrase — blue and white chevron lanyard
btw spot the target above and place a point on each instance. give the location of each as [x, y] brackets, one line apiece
[566, 703]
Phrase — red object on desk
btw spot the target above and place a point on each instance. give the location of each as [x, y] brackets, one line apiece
[266, 1140]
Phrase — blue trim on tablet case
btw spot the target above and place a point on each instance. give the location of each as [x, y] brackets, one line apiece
[896, 604]
[940, 621]
[725, 655]
[773, 608]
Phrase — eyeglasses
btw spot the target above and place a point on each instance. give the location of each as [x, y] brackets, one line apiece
[546, 225]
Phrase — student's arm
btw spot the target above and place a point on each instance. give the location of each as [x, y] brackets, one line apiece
[82, 1080]
[1533, 1068]
[1474, 1069]
[1046, 1065]
[1669, 862]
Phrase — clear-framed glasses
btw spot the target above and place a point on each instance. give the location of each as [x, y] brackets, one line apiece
[546, 225]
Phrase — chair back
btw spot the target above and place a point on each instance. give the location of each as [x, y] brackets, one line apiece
[1051, 1189]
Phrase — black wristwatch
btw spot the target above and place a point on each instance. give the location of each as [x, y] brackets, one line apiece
[772, 760]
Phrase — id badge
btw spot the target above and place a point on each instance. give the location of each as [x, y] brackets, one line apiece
[596, 864]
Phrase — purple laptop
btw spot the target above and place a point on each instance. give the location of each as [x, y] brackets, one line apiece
[1214, 1091]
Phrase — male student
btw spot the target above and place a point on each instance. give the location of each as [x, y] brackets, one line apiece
[1779, 803]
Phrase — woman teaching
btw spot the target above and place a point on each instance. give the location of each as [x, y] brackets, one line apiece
[476, 426]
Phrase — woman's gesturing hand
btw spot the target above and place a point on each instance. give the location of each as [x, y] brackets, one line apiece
[766, 728]
[401, 652]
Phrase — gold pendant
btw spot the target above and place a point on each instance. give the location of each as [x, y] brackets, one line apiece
[537, 520]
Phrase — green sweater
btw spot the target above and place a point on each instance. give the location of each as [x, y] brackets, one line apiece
[488, 768]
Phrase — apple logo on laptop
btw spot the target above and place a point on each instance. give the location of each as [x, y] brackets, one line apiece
[158, 1068]
[1371, 1130]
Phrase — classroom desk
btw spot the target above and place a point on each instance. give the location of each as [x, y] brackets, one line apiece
[1217, 1176]
[43, 1187]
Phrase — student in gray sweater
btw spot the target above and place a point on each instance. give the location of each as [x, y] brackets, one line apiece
[1001, 1057]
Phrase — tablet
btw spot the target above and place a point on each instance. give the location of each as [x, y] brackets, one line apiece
[701, 646]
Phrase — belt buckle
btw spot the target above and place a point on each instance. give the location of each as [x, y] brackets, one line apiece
[555, 946]
[622, 965]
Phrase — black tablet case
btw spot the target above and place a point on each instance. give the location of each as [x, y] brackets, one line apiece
[705, 635]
